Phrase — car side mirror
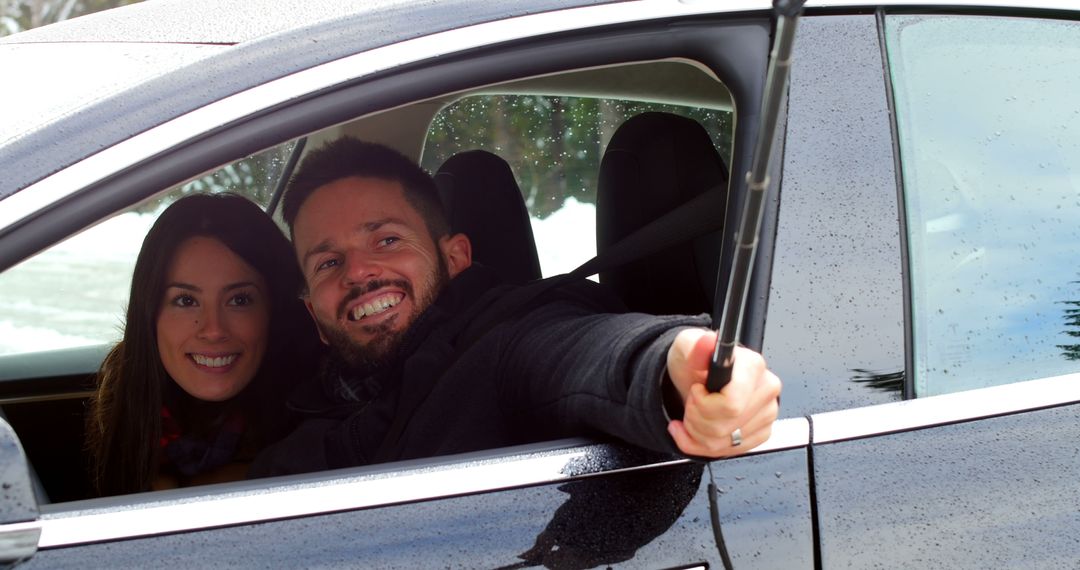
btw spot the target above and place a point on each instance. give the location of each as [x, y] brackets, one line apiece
[19, 531]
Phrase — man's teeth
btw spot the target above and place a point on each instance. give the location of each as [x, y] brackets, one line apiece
[375, 307]
[213, 361]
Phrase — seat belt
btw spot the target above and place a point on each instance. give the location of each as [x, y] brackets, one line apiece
[700, 215]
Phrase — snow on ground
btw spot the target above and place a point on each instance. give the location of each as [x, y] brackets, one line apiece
[21, 338]
[75, 293]
[567, 238]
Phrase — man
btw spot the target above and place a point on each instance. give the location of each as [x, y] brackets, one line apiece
[397, 298]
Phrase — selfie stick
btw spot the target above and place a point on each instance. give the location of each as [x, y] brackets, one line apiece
[787, 12]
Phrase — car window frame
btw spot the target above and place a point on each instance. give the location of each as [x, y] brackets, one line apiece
[181, 149]
[355, 488]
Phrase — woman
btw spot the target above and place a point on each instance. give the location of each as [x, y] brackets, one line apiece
[214, 338]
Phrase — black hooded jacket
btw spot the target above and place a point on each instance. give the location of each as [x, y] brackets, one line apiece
[570, 362]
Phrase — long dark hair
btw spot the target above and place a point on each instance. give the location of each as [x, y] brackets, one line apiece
[124, 422]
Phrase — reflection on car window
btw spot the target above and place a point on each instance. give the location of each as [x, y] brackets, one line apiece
[74, 293]
[554, 146]
[989, 128]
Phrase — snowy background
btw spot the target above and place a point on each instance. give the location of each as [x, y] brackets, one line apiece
[75, 293]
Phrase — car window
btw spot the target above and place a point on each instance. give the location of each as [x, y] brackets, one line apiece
[554, 146]
[75, 293]
[989, 133]
[564, 134]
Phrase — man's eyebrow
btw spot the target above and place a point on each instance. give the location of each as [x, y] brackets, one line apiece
[321, 247]
[374, 225]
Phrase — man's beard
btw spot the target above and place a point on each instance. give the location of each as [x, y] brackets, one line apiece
[385, 342]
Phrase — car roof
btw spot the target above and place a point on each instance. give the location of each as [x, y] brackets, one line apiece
[120, 72]
[199, 21]
[238, 21]
[177, 70]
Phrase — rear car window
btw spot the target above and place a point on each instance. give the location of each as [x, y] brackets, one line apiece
[990, 151]
[554, 146]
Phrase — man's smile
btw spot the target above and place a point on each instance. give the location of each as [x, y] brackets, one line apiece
[375, 306]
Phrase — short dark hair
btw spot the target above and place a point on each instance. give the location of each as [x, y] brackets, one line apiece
[347, 157]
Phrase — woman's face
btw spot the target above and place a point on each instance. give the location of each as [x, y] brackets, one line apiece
[214, 320]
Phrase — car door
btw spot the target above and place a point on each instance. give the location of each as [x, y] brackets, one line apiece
[926, 248]
[569, 503]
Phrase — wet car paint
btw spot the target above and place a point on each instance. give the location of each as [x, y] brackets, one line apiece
[654, 517]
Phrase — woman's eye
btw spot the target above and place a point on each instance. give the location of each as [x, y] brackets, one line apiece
[184, 301]
[242, 300]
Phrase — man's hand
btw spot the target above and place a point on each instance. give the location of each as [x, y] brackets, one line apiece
[748, 403]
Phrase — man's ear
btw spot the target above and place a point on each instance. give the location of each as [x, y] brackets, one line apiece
[311, 311]
[457, 251]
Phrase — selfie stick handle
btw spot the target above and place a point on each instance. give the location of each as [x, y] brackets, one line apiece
[757, 180]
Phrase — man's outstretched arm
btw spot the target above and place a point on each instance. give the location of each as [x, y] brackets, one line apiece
[749, 403]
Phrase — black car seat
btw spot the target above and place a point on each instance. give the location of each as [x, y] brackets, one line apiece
[655, 162]
[483, 201]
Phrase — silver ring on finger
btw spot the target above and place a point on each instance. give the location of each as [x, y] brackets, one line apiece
[736, 438]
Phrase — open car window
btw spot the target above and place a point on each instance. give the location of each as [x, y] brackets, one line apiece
[553, 143]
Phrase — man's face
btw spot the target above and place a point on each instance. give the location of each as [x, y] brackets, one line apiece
[370, 264]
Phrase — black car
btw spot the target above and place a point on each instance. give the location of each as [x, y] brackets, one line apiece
[916, 285]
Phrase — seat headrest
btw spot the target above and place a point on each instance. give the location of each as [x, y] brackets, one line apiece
[483, 201]
[654, 163]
